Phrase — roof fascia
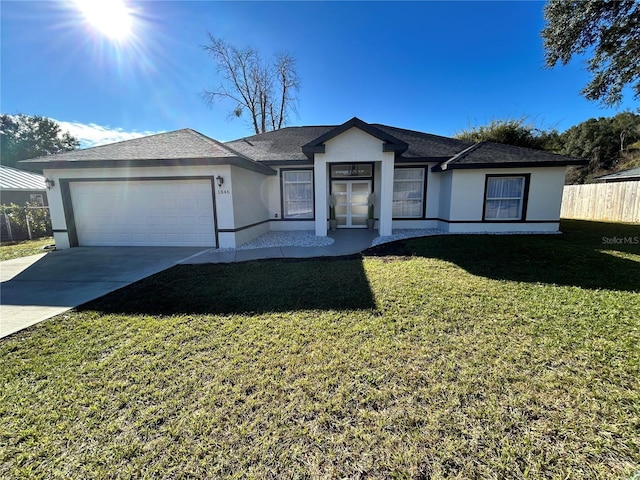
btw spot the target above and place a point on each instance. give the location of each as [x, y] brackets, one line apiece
[241, 162]
[285, 162]
[531, 164]
[25, 189]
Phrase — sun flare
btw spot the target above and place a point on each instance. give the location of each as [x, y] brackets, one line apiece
[111, 17]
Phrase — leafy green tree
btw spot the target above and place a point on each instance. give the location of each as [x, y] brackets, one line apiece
[602, 141]
[607, 30]
[29, 136]
[512, 132]
[27, 221]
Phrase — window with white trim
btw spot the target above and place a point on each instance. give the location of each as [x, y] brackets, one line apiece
[504, 198]
[408, 192]
[297, 194]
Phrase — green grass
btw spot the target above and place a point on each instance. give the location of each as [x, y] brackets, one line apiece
[445, 357]
[11, 250]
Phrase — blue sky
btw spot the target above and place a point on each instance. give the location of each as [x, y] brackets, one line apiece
[436, 67]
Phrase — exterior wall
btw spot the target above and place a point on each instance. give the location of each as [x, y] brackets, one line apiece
[248, 234]
[224, 204]
[377, 186]
[21, 197]
[496, 227]
[248, 192]
[467, 194]
[354, 146]
[446, 184]
[545, 193]
[433, 193]
[417, 223]
[463, 201]
[284, 226]
[271, 195]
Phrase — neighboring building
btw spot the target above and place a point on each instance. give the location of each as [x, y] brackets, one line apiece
[20, 187]
[183, 188]
[630, 175]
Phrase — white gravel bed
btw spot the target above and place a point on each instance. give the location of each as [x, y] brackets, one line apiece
[401, 234]
[303, 238]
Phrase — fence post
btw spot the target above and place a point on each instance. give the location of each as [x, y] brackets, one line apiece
[26, 217]
[8, 224]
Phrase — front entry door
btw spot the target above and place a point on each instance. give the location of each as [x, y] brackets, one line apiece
[352, 202]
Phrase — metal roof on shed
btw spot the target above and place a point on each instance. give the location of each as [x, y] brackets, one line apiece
[14, 179]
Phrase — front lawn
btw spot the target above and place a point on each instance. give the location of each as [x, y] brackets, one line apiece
[444, 357]
[11, 250]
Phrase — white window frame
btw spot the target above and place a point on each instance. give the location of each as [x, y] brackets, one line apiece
[410, 180]
[285, 182]
[521, 198]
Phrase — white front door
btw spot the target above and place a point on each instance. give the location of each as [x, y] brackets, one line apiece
[352, 202]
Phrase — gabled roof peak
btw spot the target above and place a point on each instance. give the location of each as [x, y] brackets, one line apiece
[390, 143]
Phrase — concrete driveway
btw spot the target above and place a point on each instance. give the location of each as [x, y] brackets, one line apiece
[38, 287]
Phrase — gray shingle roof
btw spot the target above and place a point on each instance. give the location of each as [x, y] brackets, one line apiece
[426, 145]
[621, 176]
[179, 144]
[188, 147]
[12, 179]
[491, 154]
[180, 147]
[286, 144]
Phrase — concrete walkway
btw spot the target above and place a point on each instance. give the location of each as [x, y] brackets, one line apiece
[41, 286]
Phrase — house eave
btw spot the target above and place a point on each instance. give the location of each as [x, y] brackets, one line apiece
[154, 162]
[286, 162]
[618, 179]
[532, 164]
[439, 160]
[26, 190]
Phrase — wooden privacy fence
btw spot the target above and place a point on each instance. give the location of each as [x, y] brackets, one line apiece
[609, 202]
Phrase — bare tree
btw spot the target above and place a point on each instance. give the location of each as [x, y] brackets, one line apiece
[268, 90]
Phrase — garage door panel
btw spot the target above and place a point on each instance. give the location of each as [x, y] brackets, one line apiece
[154, 213]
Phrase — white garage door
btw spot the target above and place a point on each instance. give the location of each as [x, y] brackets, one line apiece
[143, 213]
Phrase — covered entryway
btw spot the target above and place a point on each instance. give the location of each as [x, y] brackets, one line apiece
[352, 202]
[143, 212]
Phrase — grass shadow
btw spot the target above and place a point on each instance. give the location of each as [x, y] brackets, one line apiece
[591, 255]
[254, 287]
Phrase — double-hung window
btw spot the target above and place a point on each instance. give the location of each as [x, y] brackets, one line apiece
[408, 192]
[505, 197]
[297, 194]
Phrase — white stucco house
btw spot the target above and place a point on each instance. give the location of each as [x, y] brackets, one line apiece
[182, 188]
